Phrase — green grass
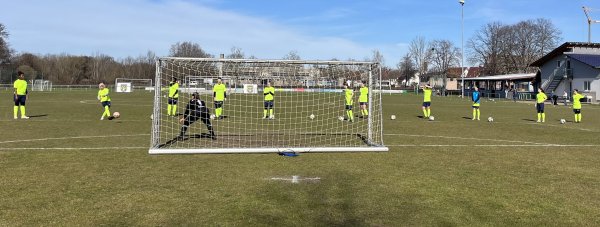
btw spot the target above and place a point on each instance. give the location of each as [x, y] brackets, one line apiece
[451, 172]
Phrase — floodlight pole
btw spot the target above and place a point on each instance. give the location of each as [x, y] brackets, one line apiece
[462, 43]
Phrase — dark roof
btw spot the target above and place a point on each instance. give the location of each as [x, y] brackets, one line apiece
[592, 60]
[455, 72]
[565, 47]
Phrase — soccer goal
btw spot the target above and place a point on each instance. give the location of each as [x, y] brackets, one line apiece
[129, 85]
[309, 106]
[41, 85]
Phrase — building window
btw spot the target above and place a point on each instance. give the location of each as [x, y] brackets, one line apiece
[587, 85]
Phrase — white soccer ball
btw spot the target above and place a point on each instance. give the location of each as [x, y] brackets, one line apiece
[116, 114]
[562, 121]
[393, 117]
[490, 119]
[212, 116]
[151, 116]
[312, 116]
[431, 118]
[340, 118]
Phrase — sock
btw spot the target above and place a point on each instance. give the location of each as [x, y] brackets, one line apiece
[366, 112]
[265, 113]
[428, 112]
[16, 110]
[478, 114]
[579, 116]
[539, 115]
[425, 112]
[183, 130]
[350, 115]
[576, 117]
[169, 109]
[543, 117]
[474, 113]
[218, 112]
[174, 109]
[106, 112]
[270, 112]
[23, 111]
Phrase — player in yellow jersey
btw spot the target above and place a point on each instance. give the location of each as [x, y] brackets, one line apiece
[363, 100]
[577, 105]
[219, 96]
[269, 92]
[427, 101]
[104, 98]
[173, 97]
[20, 95]
[540, 99]
[349, 93]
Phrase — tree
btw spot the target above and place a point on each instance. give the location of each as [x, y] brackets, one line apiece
[292, 55]
[420, 53]
[4, 48]
[236, 53]
[378, 57]
[444, 56]
[188, 50]
[406, 67]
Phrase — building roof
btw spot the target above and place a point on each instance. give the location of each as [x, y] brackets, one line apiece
[565, 47]
[592, 60]
[519, 76]
[455, 72]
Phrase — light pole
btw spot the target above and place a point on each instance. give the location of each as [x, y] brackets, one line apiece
[462, 48]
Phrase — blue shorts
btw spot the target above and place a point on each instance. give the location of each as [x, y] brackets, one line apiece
[348, 107]
[172, 101]
[426, 104]
[106, 103]
[577, 111]
[269, 104]
[20, 100]
[218, 104]
[539, 107]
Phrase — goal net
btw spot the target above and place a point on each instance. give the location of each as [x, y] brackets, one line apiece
[41, 85]
[129, 84]
[309, 111]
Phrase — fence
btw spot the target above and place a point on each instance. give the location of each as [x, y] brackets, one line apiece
[71, 87]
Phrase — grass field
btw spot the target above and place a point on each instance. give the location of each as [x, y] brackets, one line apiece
[65, 167]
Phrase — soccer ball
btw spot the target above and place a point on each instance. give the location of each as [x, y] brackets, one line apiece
[116, 114]
[212, 116]
[151, 116]
[340, 118]
[431, 118]
[490, 119]
[312, 116]
[562, 121]
[393, 117]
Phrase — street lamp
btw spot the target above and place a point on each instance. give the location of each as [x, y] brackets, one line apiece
[462, 43]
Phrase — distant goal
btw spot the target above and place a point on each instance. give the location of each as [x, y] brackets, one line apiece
[309, 106]
[127, 85]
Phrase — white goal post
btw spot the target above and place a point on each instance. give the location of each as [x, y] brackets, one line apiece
[41, 85]
[309, 109]
[127, 85]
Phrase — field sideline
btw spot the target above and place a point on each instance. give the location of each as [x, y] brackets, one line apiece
[65, 167]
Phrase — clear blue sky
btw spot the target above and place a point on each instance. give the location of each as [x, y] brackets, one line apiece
[316, 29]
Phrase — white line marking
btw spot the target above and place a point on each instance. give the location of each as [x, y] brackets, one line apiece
[463, 138]
[74, 137]
[69, 148]
[493, 145]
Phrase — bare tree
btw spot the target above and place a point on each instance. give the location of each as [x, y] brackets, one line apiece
[444, 56]
[292, 55]
[406, 67]
[378, 57]
[236, 53]
[420, 53]
[4, 48]
[188, 49]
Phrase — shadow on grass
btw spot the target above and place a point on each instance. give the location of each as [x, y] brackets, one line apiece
[531, 120]
[39, 115]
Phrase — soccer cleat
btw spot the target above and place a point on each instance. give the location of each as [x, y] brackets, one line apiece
[24, 117]
[538, 121]
[16, 118]
[102, 118]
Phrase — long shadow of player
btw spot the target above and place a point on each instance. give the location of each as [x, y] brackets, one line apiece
[184, 138]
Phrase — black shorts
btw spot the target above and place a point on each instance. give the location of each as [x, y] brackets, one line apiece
[540, 107]
[348, 107]
[426, 104]
[205, 118]
[269, 104]
[218, 104]
[363, 103]
[20, 100]
[172, 101]
[106, 103]
[577, 111]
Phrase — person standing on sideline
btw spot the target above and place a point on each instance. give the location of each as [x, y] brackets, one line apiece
[577, 105]
[219, 96]
[476, 103]
[20, 96]
[426, 101]
[565, 97]
[173, 97]
[540, 99]
[515, 94]
[269, 92]
[363, 100]
[104, 99]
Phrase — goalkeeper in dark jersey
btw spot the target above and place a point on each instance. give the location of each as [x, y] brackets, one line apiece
[196, 110]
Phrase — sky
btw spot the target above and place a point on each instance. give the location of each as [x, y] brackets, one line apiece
[270, 29]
